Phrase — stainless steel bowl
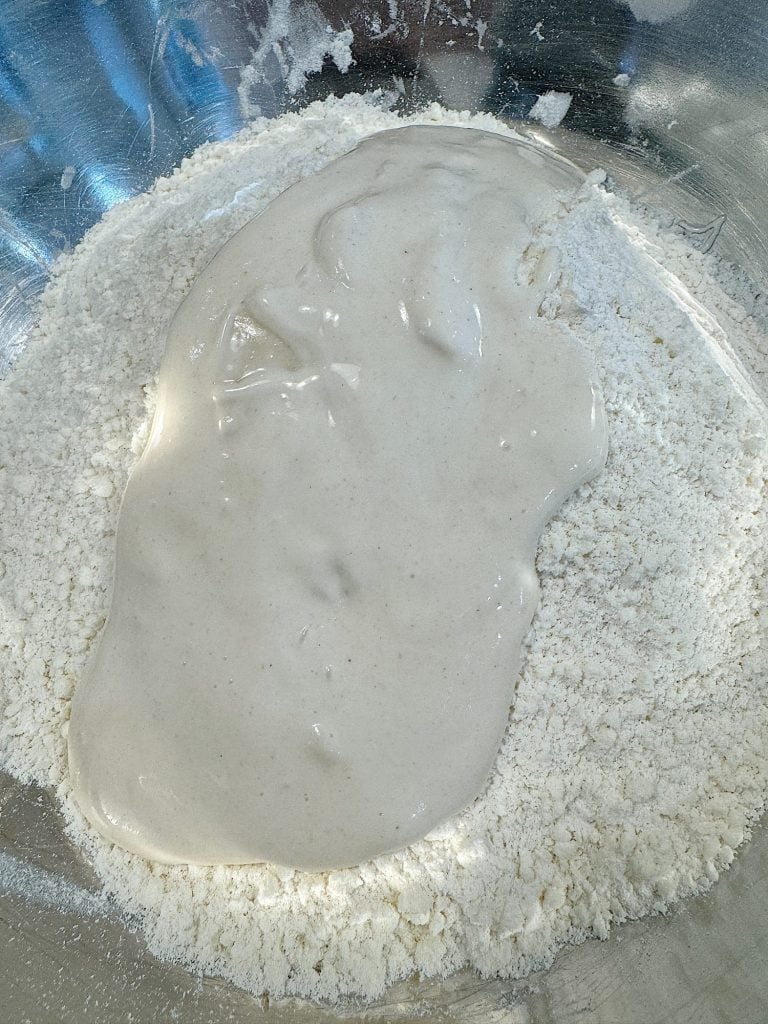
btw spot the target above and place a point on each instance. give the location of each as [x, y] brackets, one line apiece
[100, 97]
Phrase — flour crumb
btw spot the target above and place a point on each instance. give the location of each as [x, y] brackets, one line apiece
[67, 177]
[550, 108]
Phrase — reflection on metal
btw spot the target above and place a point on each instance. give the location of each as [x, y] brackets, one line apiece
[702, 236]
[118, 93]
[100, 97]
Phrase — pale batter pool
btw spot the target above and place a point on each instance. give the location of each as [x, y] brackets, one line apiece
[325, 557]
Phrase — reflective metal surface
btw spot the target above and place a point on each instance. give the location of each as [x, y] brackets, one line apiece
[98, 98]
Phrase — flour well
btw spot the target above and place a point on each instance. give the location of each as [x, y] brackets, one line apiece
[637, 753]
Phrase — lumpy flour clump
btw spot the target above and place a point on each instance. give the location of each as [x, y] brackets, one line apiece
[636, 757]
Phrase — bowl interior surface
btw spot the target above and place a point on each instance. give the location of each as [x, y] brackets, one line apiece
[98, 99]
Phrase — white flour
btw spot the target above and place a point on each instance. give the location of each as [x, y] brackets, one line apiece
[550, 108]
[42, 888]
[293, 44]
[637, 753]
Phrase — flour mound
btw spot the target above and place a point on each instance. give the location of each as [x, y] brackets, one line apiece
[637, 752]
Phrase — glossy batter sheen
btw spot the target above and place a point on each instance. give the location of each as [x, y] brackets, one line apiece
[325, 557]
